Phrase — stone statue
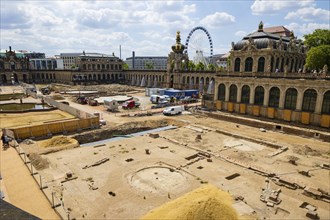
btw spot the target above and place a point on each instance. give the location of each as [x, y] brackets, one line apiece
[261, 27]
[285, 69]
[325, 69]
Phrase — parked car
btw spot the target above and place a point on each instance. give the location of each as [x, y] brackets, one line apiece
[93, 102]
[82, 100]
[45, 90]
[161, 105]
[188, 99]
[131, 104]
[173, 110]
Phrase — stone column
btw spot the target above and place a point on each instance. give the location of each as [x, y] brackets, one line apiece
[216, 90]
[300, 97]
[282, 99]
[227, 92]
[318, 106]
[252, 92]
[239, 93]
[266, 97]
[242, 65]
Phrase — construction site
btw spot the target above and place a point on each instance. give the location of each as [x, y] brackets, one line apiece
[92, 163]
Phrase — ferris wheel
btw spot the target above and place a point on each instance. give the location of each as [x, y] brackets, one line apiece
[199, 46]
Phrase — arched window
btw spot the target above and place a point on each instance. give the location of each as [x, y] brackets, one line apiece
[237, 67]
[248, 64]
[261, 64]
[221, 92]
[326, 103]
[245, 94]
[259, 95]
[274, 97]
[290, 99]
[184, 80]
[309, 100]
[233, 93]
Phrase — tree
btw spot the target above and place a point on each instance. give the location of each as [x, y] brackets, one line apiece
[318, 38]
[149, 66]
[191, 66]
[200, 66]
[211, 67]
[317, 57]
[319, 52]
[125, 66]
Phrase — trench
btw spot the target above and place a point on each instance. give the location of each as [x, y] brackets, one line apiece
[120, 137]
[125, 130]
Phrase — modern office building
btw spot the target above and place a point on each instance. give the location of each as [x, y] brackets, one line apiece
[46, 64]
[69, 59]
[146, 62]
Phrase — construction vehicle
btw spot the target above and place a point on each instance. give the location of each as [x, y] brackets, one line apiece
[131, 104]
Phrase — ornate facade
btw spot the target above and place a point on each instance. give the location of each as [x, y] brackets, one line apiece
[266, 79]
[263, 52]
[176, 76]
[13, 67]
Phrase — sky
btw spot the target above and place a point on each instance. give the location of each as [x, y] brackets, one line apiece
[148, 27]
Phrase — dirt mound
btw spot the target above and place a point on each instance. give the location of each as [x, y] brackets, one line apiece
[306, 150]
[206, 202]
[38, 162]
[58, 141]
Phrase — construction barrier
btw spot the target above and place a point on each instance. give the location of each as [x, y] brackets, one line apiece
[50, 129]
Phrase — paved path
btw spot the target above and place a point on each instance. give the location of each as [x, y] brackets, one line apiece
[20, 188]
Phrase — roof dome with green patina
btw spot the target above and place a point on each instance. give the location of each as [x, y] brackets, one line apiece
[178, 47]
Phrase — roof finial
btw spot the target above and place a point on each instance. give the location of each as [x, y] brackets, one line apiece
[261, 27]
[291, 34]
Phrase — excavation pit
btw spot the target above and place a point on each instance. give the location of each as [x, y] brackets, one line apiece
[160, 180]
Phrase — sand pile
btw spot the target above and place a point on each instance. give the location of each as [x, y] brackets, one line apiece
[38, 162]
[57, 143]
[206, 202]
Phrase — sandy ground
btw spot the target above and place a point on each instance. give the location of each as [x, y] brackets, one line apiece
[131, 182]
[31, 118]
[142, 182]
[19, 187]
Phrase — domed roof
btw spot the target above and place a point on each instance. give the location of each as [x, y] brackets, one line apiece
[178, 47]
[240, 44]
[261, 43]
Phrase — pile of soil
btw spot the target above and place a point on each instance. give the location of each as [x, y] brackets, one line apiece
[58, 141]
[38, 162]
[306, 150]
[206, 202]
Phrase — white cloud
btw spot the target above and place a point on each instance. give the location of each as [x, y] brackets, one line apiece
[240, 33]
[217, 19]
[309, 14]
[260, 7]
[302, 29]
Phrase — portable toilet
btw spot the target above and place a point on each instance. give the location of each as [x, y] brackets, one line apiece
[111, 104]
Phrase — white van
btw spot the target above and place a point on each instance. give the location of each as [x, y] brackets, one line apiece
[159, 98]
[173, 110]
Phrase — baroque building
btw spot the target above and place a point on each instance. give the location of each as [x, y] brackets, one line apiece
[266, 79]
[14, 67]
